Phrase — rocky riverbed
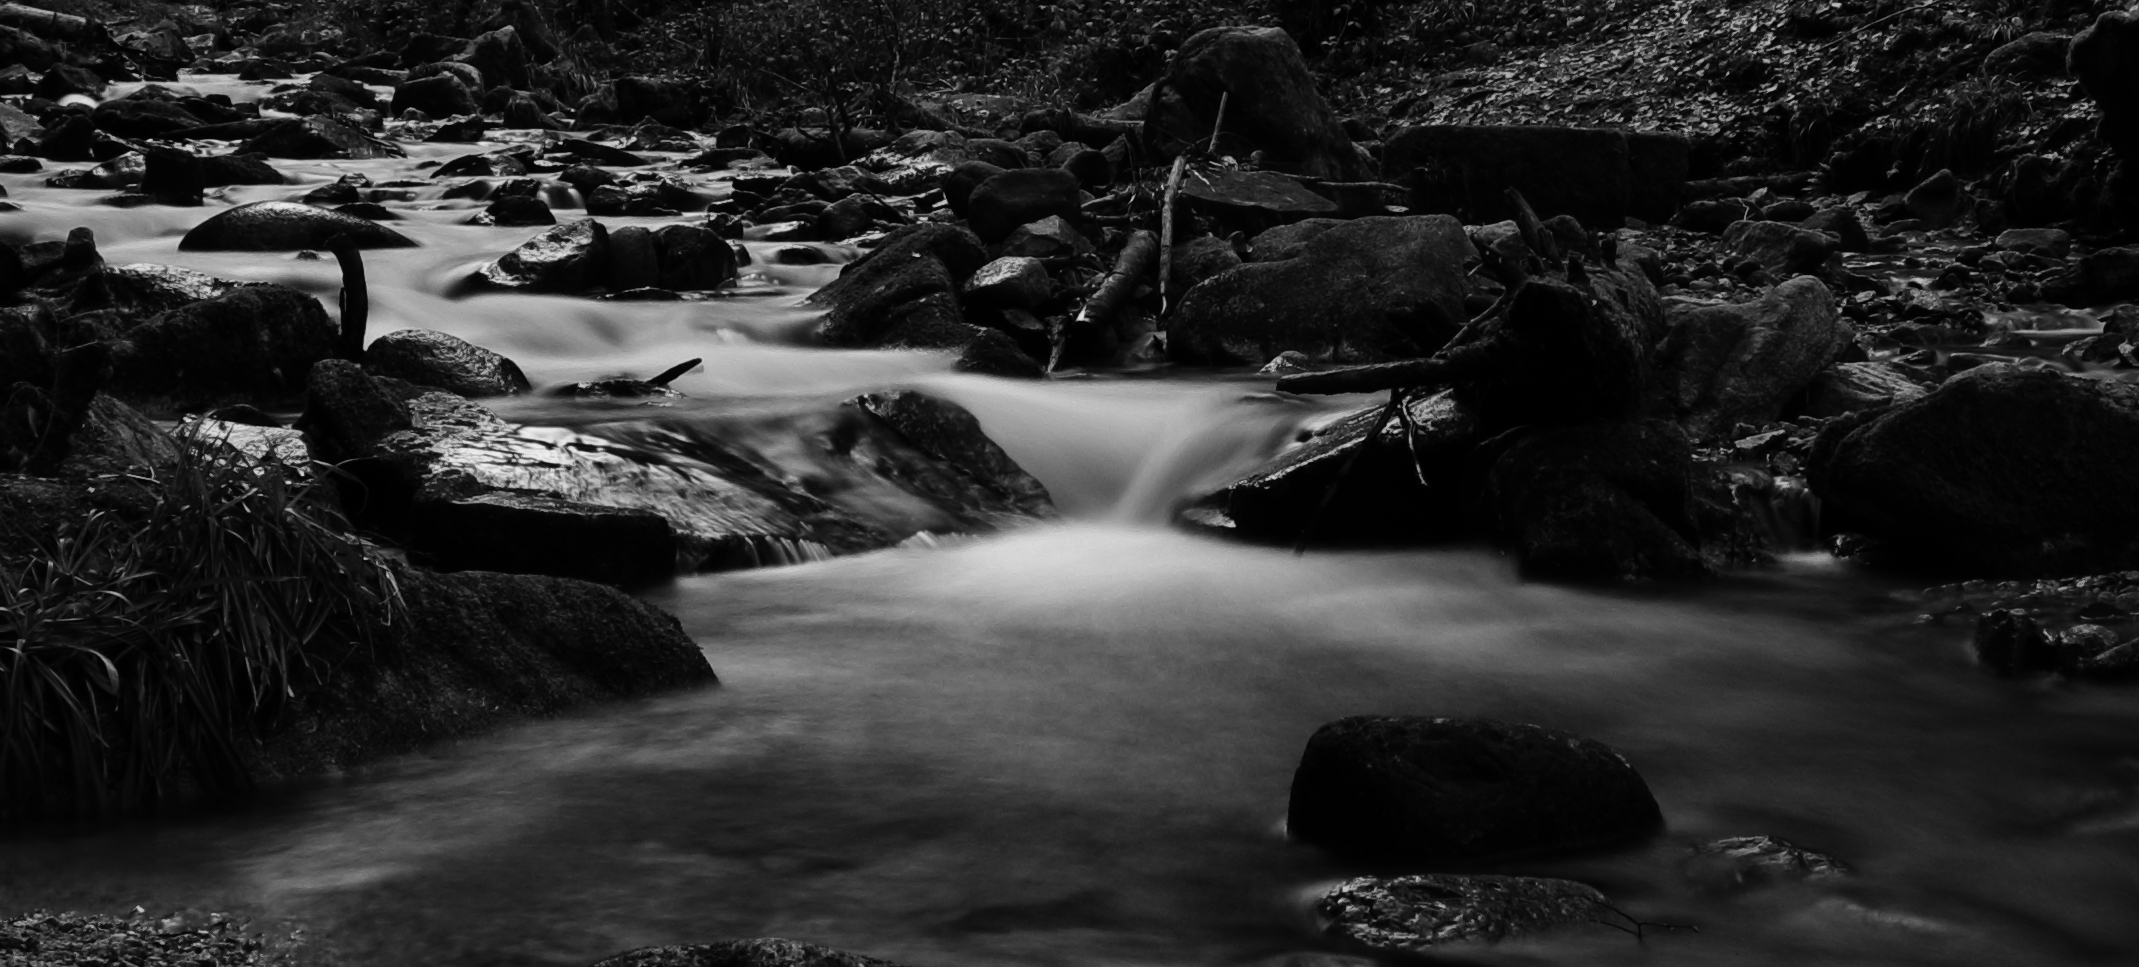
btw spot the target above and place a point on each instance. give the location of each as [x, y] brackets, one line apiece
[967, 441]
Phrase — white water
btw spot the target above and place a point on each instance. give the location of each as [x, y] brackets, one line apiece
[1071, 744]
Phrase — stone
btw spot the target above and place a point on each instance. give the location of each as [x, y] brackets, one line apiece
[2010, 642]
[61, 80]
[173, 176]
[27, 49]
[918, 160]
[2100, 277]
[762, 952]
[500, 56]
[1198, 259]
[570, 257]
[1937, 201]
[1365, 290]
[1093, 169]
[2052, 243]
[1743, 862]
[1417, 789]
[252, 344]
[318, 137]
[17, 126]
[522, 113]
[440, 95]
[1718, 366]
[597, 153]
[1842, 223]
[2038, 53]
[134, 117]
[2103, 58]
[1598, 501]
[236, 169]
[1011, 283]
[281, 226]
[1052, 237]
[426, 357]
[519, 210]
[2001, 471]
[68, 139]
[913, 265]
[999, 205]
[1427, 913]
[1270, 196]
[634, 259]
[1851, 387]
[951, 434]
[1781, 248]
[693, 258]
[1271, 105]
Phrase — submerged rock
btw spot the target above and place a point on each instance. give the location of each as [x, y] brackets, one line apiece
[1413, 789]
[762, 952]
[1741, 862]
[427, 357]
[1424, 913]
[282, 226]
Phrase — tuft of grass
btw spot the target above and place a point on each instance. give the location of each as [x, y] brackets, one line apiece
[139, 659]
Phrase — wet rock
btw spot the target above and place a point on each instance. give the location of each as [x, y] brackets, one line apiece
[597, 153]
[500, 56]
[318, 137]
[634, 260]
[17, 126]
[1272, 106]
[426, 357]
[2097, 278]
[28, 49]
[1610, 501]
[1415, 789]
[1588, 173]
[918, 160]
[1742, 862]
[1198, 259]
[254, 344]
[281, 226]
[1938, 201]
[2010, 642]
[1005, 201]
[439, 95]
[1851, 387]
[2002, 470]
[1011, 283]
[61, 80]
[1843, 224]
[1365, 290]
[130, 117]
[70, 139]
[1781, 248]
[914, 265]
[856, 215]
[522, 113]
[2050, 243]
[953, 436]
[520, 210]
[1722, 365]
[1423, 914]
[238, 169]
[571, 257]
[693, 257]
[763, 952]
[1049, 238]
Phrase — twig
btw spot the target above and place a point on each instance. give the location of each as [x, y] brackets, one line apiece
[1106, 303]
[355, 299]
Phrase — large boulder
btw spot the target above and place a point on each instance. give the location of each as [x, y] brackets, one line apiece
[1365, 290]
[571, 257]
[2002, 470]
[1720, 365]
[692, 257]
[1007, 200]
[318, 137]
[906, 294]
[1599, 176]
[761, 952]
[500, 56]
[427, 357]
[1598, 501]
[1414, 789]
[439, 95]
[252, 344]
[282, 226]
[1271, 105]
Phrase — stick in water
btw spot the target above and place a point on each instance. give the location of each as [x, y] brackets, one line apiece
[356, 301]
[675, 372]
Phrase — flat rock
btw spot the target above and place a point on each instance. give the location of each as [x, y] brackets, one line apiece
[318, 137]
[282, 226]
[1428, 913]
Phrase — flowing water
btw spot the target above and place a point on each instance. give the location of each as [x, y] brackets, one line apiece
[1071, 743]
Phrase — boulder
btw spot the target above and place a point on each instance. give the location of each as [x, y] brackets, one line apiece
[17, 125]
[426, 357]
[1425, 914]
[1415, 789]
[500, 56]
[440, 95]
[238, 169]
[61, 80]
[1601, 501]
[1011, 283]
[1007, 200]
[692, 258]
[522, 113]
[1052, 237]
[173, 176]
[1781, 248]
[27, 49]
[571, 257]
[763, 952]
[919, 265]
[2104, 58]
[1718, 366]
[1271, 105]
[1937, 201]
[1850, 387]
[253, 344]
[918, 160]
[518, 210]
[2002, 470]
[2097, 278]
[318, 137]
[1741, 862]
[2036, 54]
[135, 117]
[1366, 290]
[2052, 243]
[634, 259]
[1842, 223]
[281, 226]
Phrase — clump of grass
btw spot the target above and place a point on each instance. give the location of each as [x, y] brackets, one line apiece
[139, 658]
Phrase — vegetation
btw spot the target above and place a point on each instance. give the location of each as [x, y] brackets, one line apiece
[139, 655]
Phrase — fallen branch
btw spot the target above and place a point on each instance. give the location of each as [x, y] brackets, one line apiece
[1173, 190]
[1371, 378]
[355, 299]
[675, 372]
[1106, 303]
[45, 23]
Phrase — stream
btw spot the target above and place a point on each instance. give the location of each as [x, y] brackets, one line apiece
[1071, 743]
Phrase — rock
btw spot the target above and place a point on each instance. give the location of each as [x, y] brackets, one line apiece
[1424, 913]
[1198, 259]
[522, 113]
[1850, 387]
[440, 95]
[1365, 290]
[1610, 501]
[2102, 59]
[855, 215]
[252, 344]
[950, 434]
[435, 359]
[1599, 176]
[662, 99]
[173, 177]
[281, 226]
[634, 259]
[1049, 238]
[2050, 243]
[763, 952]
[1011, 283]
[918, 160]
[2036, 54]
[17, 126]
[1741, 862]
[1843, 224]
[69, 139]
[571, 257]
[318, 137]
[1414, 789]
[2010, 642]
[1781, 248]
[1722, 365]
[597, 153]
[234, 169]
[500, 56]
[519, 210]
[1272, 106]
[693, 257]
[2000, 471]
[1093, 169]
[1268, 196]
[27, 49]
[1938, 201]
[916, 265]
[1007, 200]
[2097, 278]
[61, 80]
[132, 117]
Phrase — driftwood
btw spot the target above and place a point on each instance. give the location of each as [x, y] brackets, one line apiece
[46, 23]
[1371, 378]
[1137, 258]
[675, 372]
[356, 298]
